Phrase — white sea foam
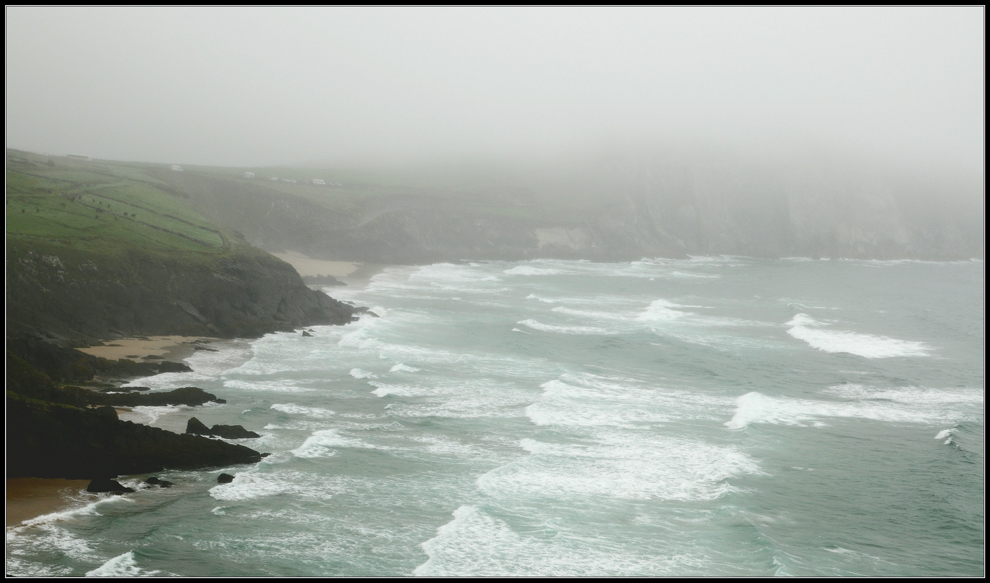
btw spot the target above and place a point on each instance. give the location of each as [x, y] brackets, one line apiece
[252, 485]
[588, 400]
[121, 566]
[147, 415]
[476, 544]
[322, 443]
[804, 327]
[170, 380]
[535, 325]
[944, 434]
[454, 398]
[919, 396]
[383, 389]
[279, 386]
[530, 270]
[661, 310]
[448, 272]
[294, 409]
[758, 408]
[229, 354]
[399, 367]
[621, 464]
[544, 300]
[612, 316]
[361, 374]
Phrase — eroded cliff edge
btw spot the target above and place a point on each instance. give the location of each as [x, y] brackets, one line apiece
[87, 297]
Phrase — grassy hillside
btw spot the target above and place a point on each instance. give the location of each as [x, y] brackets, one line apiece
[102, 249]
[101, 208]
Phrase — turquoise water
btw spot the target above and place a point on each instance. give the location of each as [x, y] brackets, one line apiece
[714, 416]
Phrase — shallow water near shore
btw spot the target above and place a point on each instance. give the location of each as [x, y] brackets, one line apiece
[713, 416]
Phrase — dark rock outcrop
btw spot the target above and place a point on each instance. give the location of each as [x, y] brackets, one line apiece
[321, 280]
[100, 485]
[51, 440]
[244, 293]
[191, 396]
[225, 479]
[154, 481]
[25, 380]
[197, 427]
[49, 353]
[49, 436]
[232, 432]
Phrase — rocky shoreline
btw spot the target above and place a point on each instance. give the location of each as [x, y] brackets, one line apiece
[73, 432]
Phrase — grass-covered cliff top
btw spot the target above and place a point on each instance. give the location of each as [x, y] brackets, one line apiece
[105, 209]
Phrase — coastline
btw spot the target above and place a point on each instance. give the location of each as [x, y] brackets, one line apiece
[350, 272]
[150, 347]
[29, 498]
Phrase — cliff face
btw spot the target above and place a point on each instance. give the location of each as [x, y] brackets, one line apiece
[87, 296]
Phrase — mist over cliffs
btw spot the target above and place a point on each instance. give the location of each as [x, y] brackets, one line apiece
[615, 206]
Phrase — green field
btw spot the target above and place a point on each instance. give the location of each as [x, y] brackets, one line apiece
[100, 208]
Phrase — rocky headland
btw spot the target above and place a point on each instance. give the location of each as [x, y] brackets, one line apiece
[98, 253]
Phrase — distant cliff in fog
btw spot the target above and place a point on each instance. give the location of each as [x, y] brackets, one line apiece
[604, 208]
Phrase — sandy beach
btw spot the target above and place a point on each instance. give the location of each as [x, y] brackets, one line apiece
[168, 347]
[308, 266]
[349, 272]
[32, 497]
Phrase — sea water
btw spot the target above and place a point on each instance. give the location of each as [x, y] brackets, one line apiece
[712, 416]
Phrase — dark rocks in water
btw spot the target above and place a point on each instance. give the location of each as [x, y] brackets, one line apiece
[225, 479]
[191, 396]
[169, 366]
[321, 280]
[23, 379]
[100, 485]
[64, 364]
[232, 432]
[154, 481]
[106, 412]
[53, 440]
[196, 427]
[305, 333]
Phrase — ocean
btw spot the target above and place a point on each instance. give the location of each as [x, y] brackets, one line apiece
[704, 417]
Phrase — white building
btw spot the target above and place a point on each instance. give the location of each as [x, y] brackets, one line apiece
[176, 167]
[249, 175]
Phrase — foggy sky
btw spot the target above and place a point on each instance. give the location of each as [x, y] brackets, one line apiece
[280, 86]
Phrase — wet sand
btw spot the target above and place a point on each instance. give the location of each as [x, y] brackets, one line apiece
[349, 272]
[173, 348]
[308, 266]
[32, 497]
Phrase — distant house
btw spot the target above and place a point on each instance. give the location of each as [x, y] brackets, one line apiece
[79, 157]
[176, 167]
[318, 181]
[249, 175]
